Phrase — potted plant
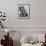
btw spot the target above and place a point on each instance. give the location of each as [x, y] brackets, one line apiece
[2, 19]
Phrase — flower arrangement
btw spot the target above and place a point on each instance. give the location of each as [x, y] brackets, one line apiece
[2, 19]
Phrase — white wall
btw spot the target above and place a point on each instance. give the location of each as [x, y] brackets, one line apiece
[37, 21]
[37, 14]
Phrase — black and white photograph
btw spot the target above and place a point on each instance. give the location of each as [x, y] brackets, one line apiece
[23, 11]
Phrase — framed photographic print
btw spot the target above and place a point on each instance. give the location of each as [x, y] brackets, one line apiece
[24, 11]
